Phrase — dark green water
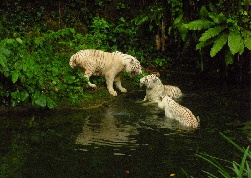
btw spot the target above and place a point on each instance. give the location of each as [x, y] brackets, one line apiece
[124, 139]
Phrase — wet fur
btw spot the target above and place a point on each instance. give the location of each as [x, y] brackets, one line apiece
[155, 89]
[178, 112]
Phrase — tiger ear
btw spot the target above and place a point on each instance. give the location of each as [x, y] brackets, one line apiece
[157, 74]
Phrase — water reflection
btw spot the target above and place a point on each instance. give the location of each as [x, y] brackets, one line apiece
[109, 130]
[125, 136]
[117, 125]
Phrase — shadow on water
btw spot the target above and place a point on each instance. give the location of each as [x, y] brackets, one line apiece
[125, 139]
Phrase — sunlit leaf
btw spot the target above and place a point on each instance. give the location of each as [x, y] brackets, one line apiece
[19, 40]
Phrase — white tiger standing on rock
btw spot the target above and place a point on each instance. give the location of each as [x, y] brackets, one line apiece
[155, 88]
[178, 112]
[109, 65]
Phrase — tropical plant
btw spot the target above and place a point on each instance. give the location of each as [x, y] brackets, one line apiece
[222, 30]
[239, 170]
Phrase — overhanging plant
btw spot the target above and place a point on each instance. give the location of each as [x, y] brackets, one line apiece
[220, 30]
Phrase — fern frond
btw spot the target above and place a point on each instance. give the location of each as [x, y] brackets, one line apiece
[217, 18]
[234, 41]
[200, 45]
[198, 24]
[203, 44]
[218, 44]
[178, 20]
[203, 12]
[211, 32]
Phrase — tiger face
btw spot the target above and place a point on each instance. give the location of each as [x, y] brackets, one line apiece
[149, 80]
[133, 66]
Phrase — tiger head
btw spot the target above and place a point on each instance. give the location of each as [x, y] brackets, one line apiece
[150, 81]
[132, 65]
[164, 101]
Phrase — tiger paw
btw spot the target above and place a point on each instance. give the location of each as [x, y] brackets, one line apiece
[92, 85]
[113, 93]
[123, 90]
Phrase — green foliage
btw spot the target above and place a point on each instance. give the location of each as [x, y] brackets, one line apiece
[35, 68]
[221, 30]
[239, 170]
[211, 32]
[199, 25]
[218, 44]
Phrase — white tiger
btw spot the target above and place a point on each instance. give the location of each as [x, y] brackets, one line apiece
[109, 65]
[178, 112]
[155, 88]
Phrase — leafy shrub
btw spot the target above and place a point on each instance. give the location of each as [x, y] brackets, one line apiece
[35, 69]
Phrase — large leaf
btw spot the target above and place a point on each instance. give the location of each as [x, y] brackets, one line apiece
[247, 39]
[218, 44]
[234, 41]
[198, 24]
[211, 32]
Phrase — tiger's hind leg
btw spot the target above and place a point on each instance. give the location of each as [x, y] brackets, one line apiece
[118, 84]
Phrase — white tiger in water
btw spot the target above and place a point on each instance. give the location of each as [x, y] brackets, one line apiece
[178, 112]
[155, 88]
[109, 65]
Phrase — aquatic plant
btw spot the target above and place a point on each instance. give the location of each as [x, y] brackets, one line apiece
[234, 169]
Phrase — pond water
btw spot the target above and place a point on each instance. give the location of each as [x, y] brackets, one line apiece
[125, 139]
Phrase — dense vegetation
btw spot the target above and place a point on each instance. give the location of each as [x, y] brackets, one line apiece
[38, 38]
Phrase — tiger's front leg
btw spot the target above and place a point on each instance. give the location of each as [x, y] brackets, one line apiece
[109, 83]
[87, 75]
[118, 84]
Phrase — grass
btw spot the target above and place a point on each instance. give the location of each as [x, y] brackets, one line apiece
[239, 170]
